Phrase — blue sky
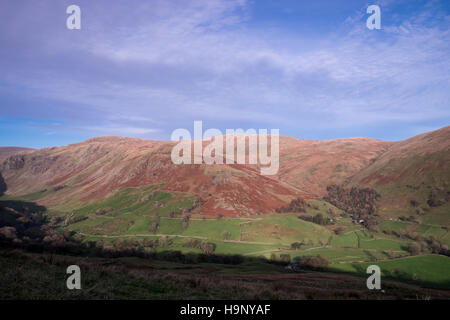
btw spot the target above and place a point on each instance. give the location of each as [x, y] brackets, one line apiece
[145, 68]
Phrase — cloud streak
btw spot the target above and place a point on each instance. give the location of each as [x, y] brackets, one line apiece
[164, 64]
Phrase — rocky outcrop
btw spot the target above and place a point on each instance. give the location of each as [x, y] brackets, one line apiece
[15, 162]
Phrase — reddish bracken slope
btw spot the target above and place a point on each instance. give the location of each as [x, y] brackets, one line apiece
[312, 165]
[6, 152]
[99, 167]
[411, 170]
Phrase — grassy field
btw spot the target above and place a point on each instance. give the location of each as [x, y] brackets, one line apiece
[284, 228]
[431, 270]
[129, 213]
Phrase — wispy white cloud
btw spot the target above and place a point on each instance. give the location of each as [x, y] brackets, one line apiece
[175, 62]
[111, 130]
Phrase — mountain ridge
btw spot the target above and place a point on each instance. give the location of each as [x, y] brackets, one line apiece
[100, 166]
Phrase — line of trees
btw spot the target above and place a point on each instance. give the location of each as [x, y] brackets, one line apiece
[358, 202]
[317, 219]
[205, 246]
[296, 205]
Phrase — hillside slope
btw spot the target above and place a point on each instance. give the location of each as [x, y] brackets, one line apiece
[6, 152]
[412, 175]
[415, 170]
[313, 165]
[98, 167]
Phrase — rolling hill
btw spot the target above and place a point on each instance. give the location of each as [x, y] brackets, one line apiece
[98, 167]
[94, 169]
[313, 165]
[412, 176]
[120, 195]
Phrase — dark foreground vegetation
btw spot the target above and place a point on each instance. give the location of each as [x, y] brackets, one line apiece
[35, 252]
[27, 275]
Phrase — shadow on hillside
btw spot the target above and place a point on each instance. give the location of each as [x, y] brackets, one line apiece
[19, 219]
[398, 274]
[2, 185]
[23, 207]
